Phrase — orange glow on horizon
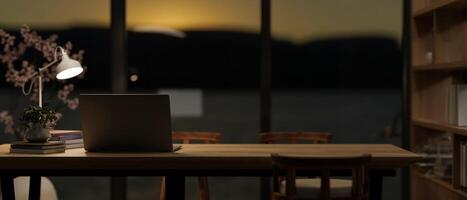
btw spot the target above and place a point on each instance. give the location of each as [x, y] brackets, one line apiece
[295, 20]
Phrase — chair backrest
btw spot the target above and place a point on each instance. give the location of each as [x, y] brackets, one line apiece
[187, 137]
[295, 137]
[290, 164]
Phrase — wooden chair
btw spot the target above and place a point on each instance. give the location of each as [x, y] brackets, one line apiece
[187, 137]
[320, 187]
[295, 137]
[307, 137]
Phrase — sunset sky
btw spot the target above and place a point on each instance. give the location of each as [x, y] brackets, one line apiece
[295, 20]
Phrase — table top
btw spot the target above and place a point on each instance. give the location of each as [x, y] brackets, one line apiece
[202, 157]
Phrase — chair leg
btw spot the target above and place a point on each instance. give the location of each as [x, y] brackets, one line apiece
[203, 188]
[175, 187]
[162, 193]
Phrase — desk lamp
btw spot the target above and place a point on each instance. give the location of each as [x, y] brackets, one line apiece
[66, 68]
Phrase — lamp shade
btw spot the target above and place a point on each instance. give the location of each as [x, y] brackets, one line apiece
[68, 68]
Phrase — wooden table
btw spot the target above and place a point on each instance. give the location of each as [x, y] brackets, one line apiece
[191, 160]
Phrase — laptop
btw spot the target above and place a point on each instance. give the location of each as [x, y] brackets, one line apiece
[126, 122]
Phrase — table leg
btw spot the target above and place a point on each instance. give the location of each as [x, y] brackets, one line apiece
[175, 187]
[8, 187]
[376, 186]
[118, 187]
[35, 188]
[265, 188]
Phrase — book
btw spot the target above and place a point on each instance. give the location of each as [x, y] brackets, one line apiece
[72, 138]
[65, 137]
[457, 105]
[37, 151]
[68, 141]
[463, 164]
[49, 143]
[462, 105]
[71, 143]
[74, 146]
[37, 147]
[452, 105]
[64, 132]
[75, 141]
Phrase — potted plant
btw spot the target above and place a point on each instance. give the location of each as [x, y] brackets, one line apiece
[38, 122]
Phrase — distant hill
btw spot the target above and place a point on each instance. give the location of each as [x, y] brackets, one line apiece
[226, 59]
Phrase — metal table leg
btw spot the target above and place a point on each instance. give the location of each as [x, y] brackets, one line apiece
[35, 188]
[118, 187]
[376, 186]
[8, 187]
[175, 187]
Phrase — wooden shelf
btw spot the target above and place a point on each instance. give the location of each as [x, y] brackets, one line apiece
[444, 184]
[459, 65]
[440, 126]
[439, 27]
[427, 11]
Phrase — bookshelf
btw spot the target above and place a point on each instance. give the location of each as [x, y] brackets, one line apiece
[439, 61]
[436, 182]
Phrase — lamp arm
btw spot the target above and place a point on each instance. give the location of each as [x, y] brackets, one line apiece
[55, 58]
[34, 76]
[47, 66]
[37, 73]
[30, 87]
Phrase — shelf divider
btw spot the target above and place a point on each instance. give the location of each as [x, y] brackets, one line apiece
[440, 126]
[439, 5]
[458, 65]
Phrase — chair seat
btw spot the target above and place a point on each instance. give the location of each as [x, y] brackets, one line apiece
[311, 187]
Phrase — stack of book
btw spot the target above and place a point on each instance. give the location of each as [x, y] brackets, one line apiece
[37, 147]
[457, 105]
[72, 138]
[463, 164]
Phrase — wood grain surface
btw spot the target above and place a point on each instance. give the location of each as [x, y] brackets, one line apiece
[203, 157]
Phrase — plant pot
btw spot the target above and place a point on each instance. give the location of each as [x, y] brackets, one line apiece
[37, 134]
